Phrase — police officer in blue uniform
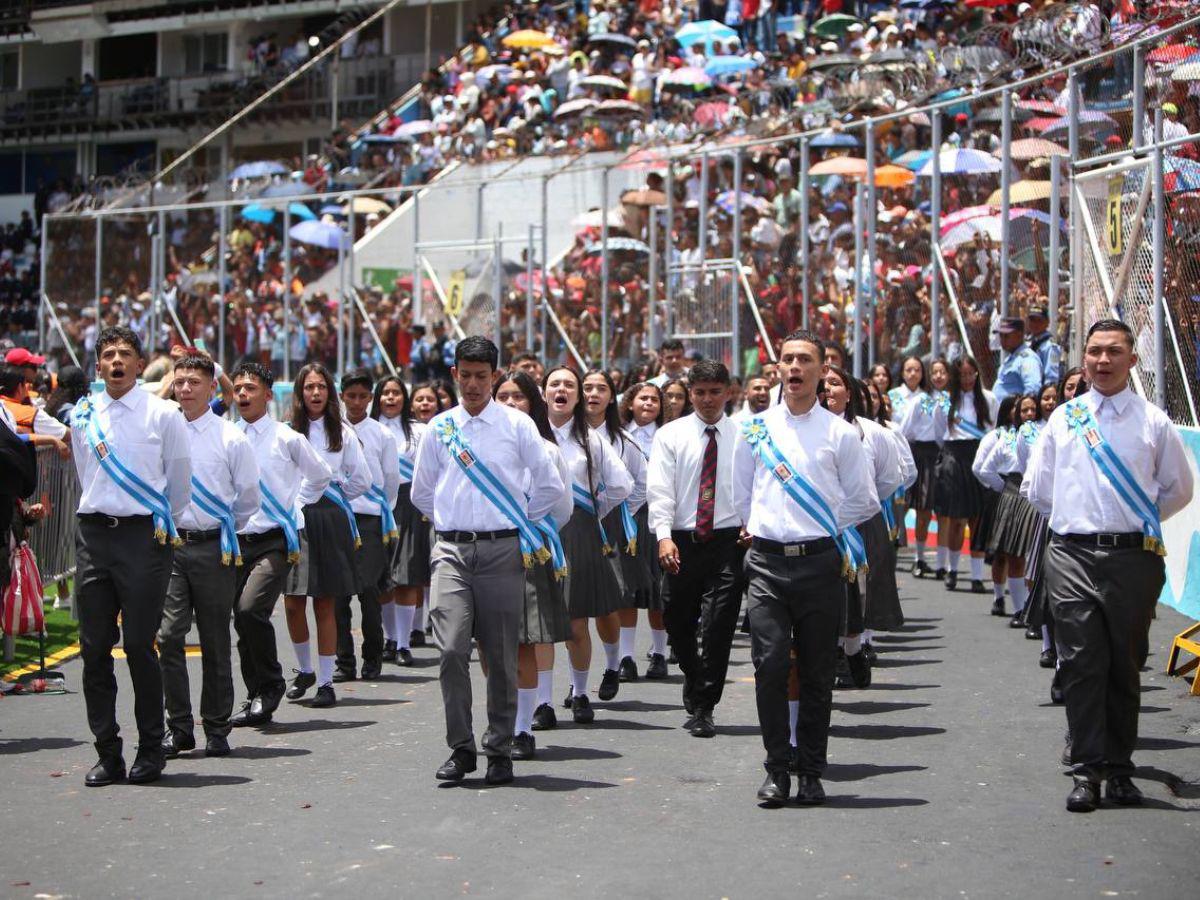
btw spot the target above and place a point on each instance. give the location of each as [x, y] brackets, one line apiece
[1041, 342]
[1021, 371]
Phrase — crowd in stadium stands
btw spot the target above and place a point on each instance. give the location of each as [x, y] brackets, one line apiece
[543, 79]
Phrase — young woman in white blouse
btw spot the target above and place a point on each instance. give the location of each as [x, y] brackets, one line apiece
[326, 568]
[915, 412]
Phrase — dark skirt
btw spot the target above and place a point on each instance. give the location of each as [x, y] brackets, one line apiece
[983, 527]
[882, 609]
[544, 619]
[1037, 610]
[592, 586]
[327, 554]
[409, 563]
[925, 455]
[1016, 521]
[639, 574]
[957, 493]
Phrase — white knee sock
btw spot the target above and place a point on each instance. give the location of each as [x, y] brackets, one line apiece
[1045, 638]
[1020, 593]
[921, 550]
[941, 557]
[998, 589]
[545, 688]
[418, 622]
[579, 682]
[952, 559]
[793, 716]
[325, 664]
[868, 636]
[627, 640]
[526, 700]
[303, 656]
[976, 568]
[404, 624]
[389, 621]
[611, 660]
[852, 645]
[658, 641]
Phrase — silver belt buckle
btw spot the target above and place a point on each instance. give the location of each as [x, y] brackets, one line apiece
[113, 521]
[474, 536]
[793, 550]
[1106, 541]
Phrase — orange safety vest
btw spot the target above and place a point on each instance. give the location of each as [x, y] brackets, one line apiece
[23, 413]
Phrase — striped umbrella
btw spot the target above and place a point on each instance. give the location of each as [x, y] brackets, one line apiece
[963, 162]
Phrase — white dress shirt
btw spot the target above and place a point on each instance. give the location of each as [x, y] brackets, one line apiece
[908, 466]
[1028, 435]
[405, 446]
[644, 435]
[900, 397]
[673, 476]
[988, 458]
[383, 461]
[634, 459]
[149, 439]
[44, 423]
[918, 424]
[825, 449]
[883, 457]
[348, 465]
[607, 468]
[1064, 484]
[223, 461]
[505, 440]
[965, 413]
[561, 510]
[288, 465]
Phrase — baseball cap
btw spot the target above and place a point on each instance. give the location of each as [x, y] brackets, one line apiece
[1038, 312]
[1012, 326]
[22, 357]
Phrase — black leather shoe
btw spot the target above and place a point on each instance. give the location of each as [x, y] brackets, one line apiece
[842, 679]
[1084, 797]
[417, 639]
[244, 718]
[341, 676]
[951, 580]
[671, 660]
[702, 725]
[1032, 633]
[324, 698]
[657, 667]
[569, 698]
[404, 657]
[869, 651]
[688, 706]
[998, 607]
[977, 586]
[216, 745]
[499, 770]
[524, 746]
[860, 670]
[1018, 620]
[581, 710]
[610, 683]
[146, 769]
[809, 791]
[544, 718]
[175, 743]
[389, 651]
[1056, 691]
[300, 684]
[372, 669]
[460, 764]
[776, 789]
[1048, 659]
[628, 669]
[268, 700]
[921, 568]
[1121, 790]
[940, 574]
[106, 771]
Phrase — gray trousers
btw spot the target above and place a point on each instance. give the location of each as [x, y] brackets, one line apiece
[478, 591]
[201, 585]
[260, 580]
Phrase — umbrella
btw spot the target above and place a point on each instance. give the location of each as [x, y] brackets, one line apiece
[333, 209]
[996, 114]
[414, 128]
[603, 83]
[613, 39]
[256, 212]
[619, 108]
[893, 177]
[704, 32]
[963, 162]
[726, 202]
[527, 38]
[711, 114]
[990, 4]
[1021, 232]
[846, 166]
[574, 107]
[368, 205]
[644, 197]
[382, 139]
[913, 159]
[1172, 53]
[1045, 107]
[1024, 191]
[949, 220]
[729, 65]
[651, 157]
[1187, 72]
[834, 139]
[261, 169]
[287, 189]
[835, 25]
[594, 219]
[834, 59]
[1033, 148]
[320, 234]
[616, 244]
[689, 77]
[1089, 121]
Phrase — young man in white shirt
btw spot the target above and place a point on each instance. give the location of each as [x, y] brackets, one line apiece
[1104, 566]
[204, 568]
[120, 432]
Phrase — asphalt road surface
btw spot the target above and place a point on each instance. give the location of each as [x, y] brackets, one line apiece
[944, 781]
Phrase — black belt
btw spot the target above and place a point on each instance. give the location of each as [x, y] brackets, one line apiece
[694, 537]
[189, 536]
[113, 521]
[1124, 540]
[799, 548]
[470, 537]
[260, 537]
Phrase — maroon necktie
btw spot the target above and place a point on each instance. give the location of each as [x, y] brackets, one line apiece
[708, 487]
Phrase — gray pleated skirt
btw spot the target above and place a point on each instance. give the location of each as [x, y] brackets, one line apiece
[1016, 521]
[882, 610]
[592, 586]
[638, 574]
[409, 562]
[327, 554]
[1037, 610]
[544, 619]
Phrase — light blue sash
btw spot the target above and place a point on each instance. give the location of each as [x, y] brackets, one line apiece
[1030, 430]
[586, 502]
[209, 503]
[898, 402]
[335, 493]
[849, 541]
[1087, 429]
[970, 428]
[629, 524]
[155, 502]
[386, 515]
[284, 518]
[533, 547]
[406, 468]
[558, 557]
[889, 516]
[932, 401]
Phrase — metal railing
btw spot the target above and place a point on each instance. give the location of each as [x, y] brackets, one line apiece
[53, 538]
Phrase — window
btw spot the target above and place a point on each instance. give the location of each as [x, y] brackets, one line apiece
[205, 53]
[10, 65]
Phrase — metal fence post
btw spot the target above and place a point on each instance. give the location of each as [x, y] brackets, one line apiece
[529, 291]
[856, 351]
[42, 288]
[871, 204]
[1055, 237]
[702, 228]
[222, 248]
[1139, 96]
[545, 266]
[418, 280]
[98, 275]
[935, 229]
[1073, 113]
[498, 287]
[287, 294]
[1005, 192]
[735, 313]
[1160, 372]
[604, 268]
[351, 350]
[341, 309]
[668, 247]
[479, 213]
[805, 295]
[652, 299]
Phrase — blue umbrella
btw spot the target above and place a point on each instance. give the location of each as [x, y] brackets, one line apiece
[913, 159]
[256, 212]
[333, 209]
[704, 32]
[261, 169]
[383, 139]
[728, 65]
[320, 234]
[963, 162]
[834, 139]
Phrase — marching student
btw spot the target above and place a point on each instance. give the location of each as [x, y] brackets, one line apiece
[288, 467]
[204, 569]
[1108, 469]
[469, 479]
[599, 481]
[913, 405]
[992, 453]
[135, 474]
[801, 479]
[427, 402]
[689, 488]
[408, 570]
[326, 569]
[374, 514]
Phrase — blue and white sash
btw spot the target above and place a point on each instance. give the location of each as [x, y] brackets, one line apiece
[284, 518]
[970, 428]
[1030, 430]
[155, 502]
[1087, 429]
[629, 525]
[210, 504]
[585, 501]
[386, 514]
[898, 402]
[335, 493]
[889, 516]
[849, 541]
[934, 400]
[406, 468]
[533, 548]
[558, 557]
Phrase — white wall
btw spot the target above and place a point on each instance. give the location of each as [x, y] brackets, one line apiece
[49, 65]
